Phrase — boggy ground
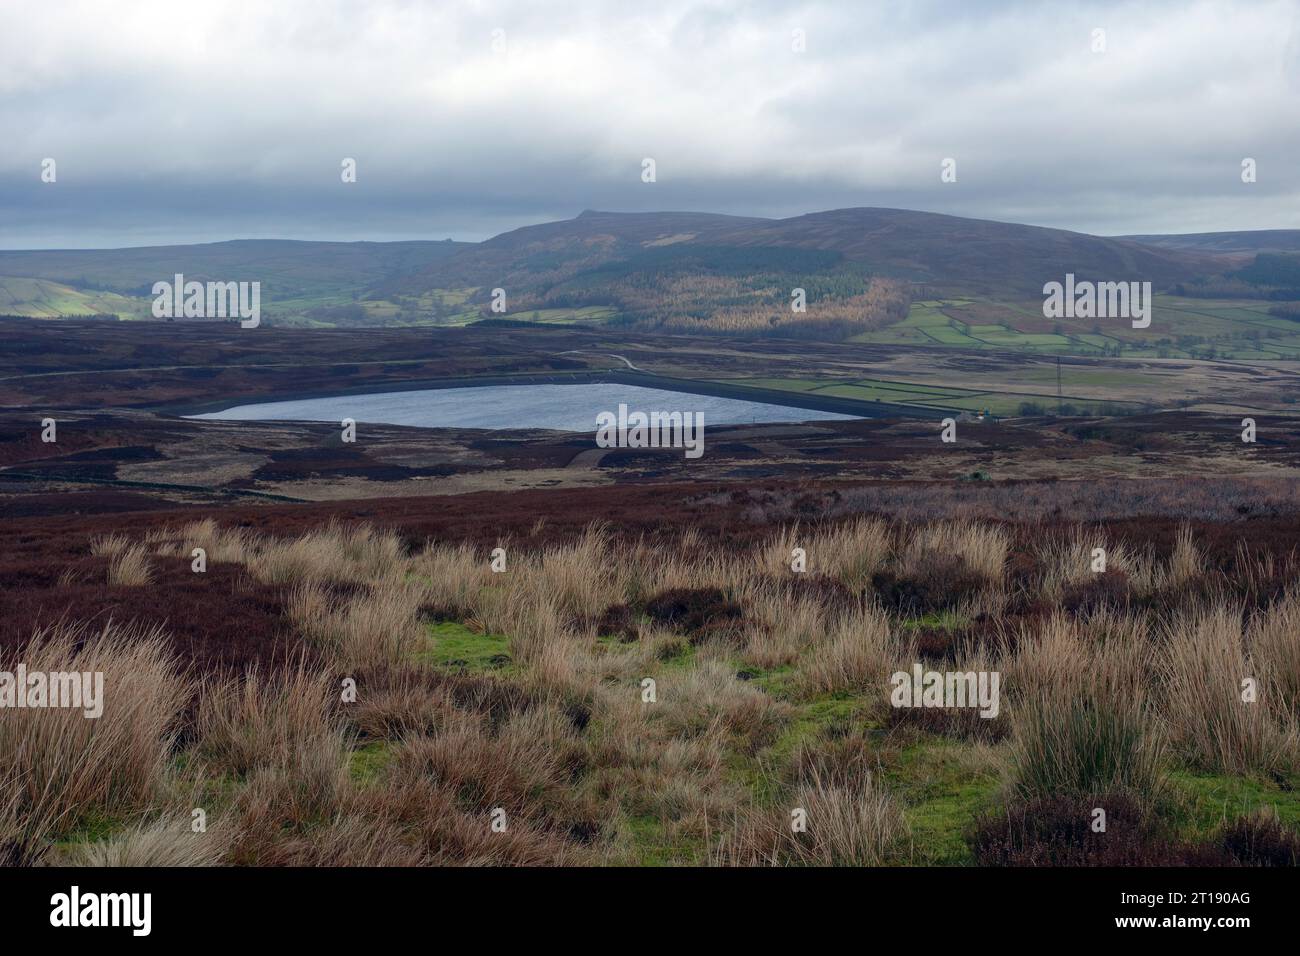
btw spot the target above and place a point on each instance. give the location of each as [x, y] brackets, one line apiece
[369, 690]
[124, 459]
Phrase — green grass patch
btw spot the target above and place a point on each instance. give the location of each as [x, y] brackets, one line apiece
[367, 763]
[454, 646]
[942, 795]
[93, 826]
[937, 621]
[650, 843]
[1203, 802]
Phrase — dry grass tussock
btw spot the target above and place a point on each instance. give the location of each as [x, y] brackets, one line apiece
[57, 765]
[1091, 742]
[167, 841]
[981, 548]
[1067, 559]
[347, 555]
[781, 626]
[850, 553]
[381, 624]
[129, 567]
[1213, 717]
[1274, 645]
[453, 577]
[840, 823]
[859, 652]
[259, 721]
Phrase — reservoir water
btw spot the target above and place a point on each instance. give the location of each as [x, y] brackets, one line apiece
[559, 407]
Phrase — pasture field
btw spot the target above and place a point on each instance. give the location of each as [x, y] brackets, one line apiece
[1230, 329]
[41, 298]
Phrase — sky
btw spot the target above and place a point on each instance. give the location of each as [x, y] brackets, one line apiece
[202, 120]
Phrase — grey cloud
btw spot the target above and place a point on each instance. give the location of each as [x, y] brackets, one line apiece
[209, 120]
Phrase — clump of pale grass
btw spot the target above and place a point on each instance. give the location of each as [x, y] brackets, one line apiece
[709, 695]
[633, 753]
[279, 732]
[981, 548]
[348, 555]
[129, 567]
[1063, 653]
[1274, 643]
[379, 625]
[859, 652]
[1081, 717]
[312, 558]
[1141, 568]
[1066, 560]
[1053, 657]
[583, 578]
[524, 768]
[401, 704]
[648, 569]
[306, 793]
[846, 825]
[355, 840]
[108, 545]
[1186, 562]
[625, 660]
[851, 553]
[514, 601]
[58, 765]
[781, 625]
[774, 556]
[221, 545]
[531, 618]
[168, 841]
[559, 666]
[1204, 664]
[261, 720]
[372, 554]
[540, 639]
[453, 576]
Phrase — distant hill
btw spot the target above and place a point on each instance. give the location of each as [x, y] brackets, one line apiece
[700, 272]
[548, 253]
[973, 253]
[298, 278]
[675, 270]
[291, 266]
[555, 260]
[1255, 241]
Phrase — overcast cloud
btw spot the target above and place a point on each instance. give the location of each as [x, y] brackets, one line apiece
[199, 120]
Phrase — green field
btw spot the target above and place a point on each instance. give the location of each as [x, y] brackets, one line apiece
[1233, 330]
[41, 298]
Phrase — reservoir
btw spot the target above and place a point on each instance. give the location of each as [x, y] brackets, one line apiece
[558, 407]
